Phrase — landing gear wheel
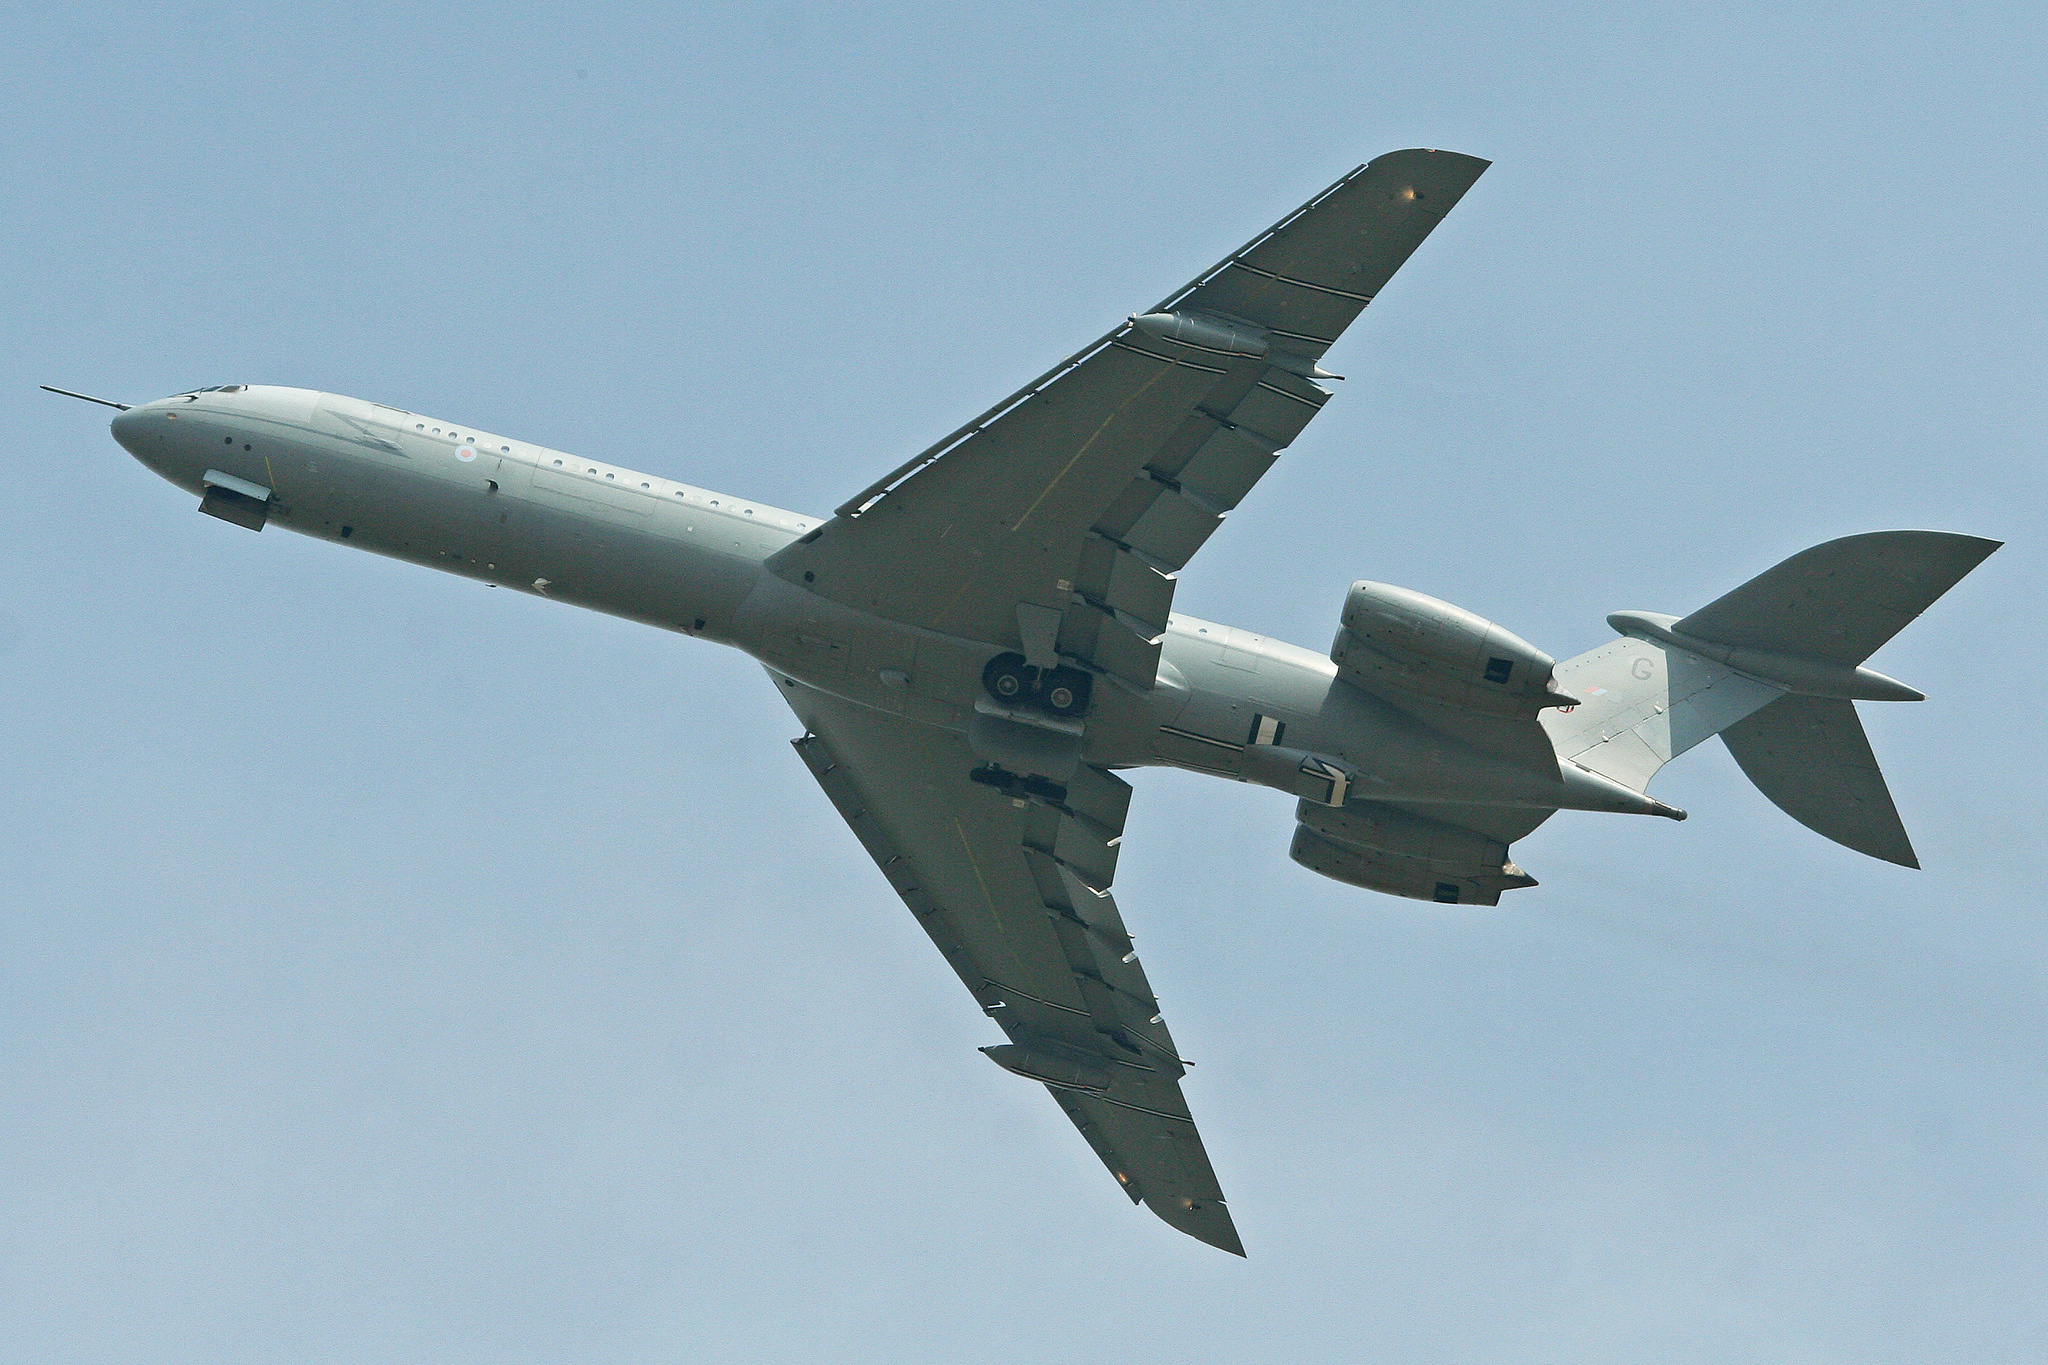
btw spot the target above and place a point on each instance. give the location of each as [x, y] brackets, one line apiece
[1010, 680]
[1064, 691]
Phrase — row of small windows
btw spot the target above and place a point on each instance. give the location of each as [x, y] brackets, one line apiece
[507, 450]
[422, 426]
[679, 492]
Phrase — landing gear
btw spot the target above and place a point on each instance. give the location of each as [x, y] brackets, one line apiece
[1060, 691]
[1010, 680]
[1064, 691]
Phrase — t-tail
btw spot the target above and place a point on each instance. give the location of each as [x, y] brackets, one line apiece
[1775, 668]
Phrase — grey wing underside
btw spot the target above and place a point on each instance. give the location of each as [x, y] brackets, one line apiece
[1016, 897]
[1074, 502]
[1810, 756]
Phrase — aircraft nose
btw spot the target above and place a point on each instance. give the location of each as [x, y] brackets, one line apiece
[127, 428]
[150, 433]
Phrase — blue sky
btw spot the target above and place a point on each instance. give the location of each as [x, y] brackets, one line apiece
[400, 972]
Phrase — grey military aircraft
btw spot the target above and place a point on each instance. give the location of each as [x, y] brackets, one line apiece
[980, 640]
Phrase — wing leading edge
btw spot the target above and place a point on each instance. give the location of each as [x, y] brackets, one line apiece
[1014, 891]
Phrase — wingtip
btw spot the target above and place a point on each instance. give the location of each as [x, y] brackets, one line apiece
[1899, 852]
[1223, 1238]
[1205, 1220]
[1481, 162]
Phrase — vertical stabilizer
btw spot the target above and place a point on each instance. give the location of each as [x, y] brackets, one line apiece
[1644, 702]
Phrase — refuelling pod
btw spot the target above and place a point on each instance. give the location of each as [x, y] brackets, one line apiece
[1383, 849]
[1398, 643]
[1060, 1065]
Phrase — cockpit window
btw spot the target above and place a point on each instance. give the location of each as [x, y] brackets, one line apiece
[218, 388]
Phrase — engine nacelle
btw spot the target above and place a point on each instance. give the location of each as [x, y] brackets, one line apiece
[1383, 829]
[1401, 642]
[1401, 876]
[1383, 849]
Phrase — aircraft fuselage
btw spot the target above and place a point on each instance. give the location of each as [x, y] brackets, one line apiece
[690, 560]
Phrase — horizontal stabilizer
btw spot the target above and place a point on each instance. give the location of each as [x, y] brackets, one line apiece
[1809, 755]
[1838, 602]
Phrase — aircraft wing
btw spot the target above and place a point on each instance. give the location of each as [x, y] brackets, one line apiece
[1064, 511]
[1014, 891]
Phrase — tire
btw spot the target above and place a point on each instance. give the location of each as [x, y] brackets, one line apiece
[1010, 680]
[1064, 691]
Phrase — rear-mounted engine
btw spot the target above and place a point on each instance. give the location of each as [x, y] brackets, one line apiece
[1383, 849]
[1402, 644]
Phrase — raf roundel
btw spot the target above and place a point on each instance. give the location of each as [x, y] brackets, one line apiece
[466, 454]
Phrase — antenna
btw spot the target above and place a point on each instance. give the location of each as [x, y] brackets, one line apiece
[87, 397]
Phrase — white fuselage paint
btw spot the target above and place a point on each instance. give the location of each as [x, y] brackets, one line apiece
[688, 559]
